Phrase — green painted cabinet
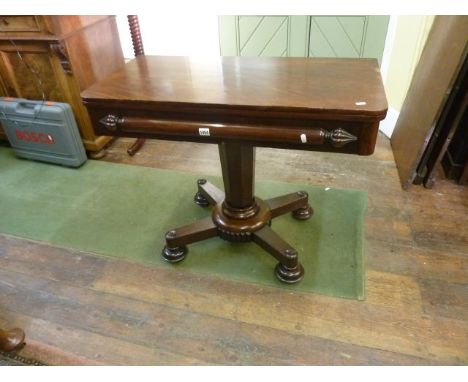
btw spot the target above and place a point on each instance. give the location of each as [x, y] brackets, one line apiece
[303, 36]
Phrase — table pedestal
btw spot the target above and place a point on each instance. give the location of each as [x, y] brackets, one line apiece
[239, 216]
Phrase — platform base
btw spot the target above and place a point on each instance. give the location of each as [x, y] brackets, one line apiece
[252, 223]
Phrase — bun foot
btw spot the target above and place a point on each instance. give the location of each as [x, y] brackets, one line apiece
[174, 255]
[303, 213]
[11, 339]
[289, 275]
[200, 200]
[97, 154]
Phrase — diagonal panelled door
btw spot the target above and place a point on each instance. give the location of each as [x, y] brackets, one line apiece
[348, 36]
[273, 36]
[263, 36]
[334, 36]
[303, 36]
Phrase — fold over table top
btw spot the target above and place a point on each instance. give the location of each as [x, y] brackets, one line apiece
[347, 87]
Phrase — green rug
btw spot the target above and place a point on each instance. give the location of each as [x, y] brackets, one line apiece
[123, 211]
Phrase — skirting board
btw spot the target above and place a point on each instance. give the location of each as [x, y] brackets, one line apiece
[388, 124]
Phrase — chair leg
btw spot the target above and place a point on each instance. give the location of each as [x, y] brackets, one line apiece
[297, 202]
[288, 270]
[208, 194]
[11, 339]
[177, 239]
[136, 146]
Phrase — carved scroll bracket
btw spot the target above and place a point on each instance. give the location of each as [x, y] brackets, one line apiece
[61, 53]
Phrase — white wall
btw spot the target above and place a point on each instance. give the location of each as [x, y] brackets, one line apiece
[405, 41]
[388, 124]
[173, 35]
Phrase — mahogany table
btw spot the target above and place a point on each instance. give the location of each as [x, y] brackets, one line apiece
[240, 103]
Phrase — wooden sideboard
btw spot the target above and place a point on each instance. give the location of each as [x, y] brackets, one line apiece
[67, 53]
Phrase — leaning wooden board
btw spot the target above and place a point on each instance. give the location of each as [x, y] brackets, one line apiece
[429, 90]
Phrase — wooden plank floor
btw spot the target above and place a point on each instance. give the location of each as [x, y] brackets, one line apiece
[78, 308]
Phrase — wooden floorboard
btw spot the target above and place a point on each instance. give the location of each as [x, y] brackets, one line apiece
[80, 308]
[167, 314]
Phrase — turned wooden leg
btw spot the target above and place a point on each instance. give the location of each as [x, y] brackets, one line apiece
[11, 339]
[208, 194]
[288, 270]
[297, 202]
[136, 146]
[177, 239]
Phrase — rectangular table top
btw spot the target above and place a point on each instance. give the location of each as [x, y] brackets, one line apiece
[340, 86]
